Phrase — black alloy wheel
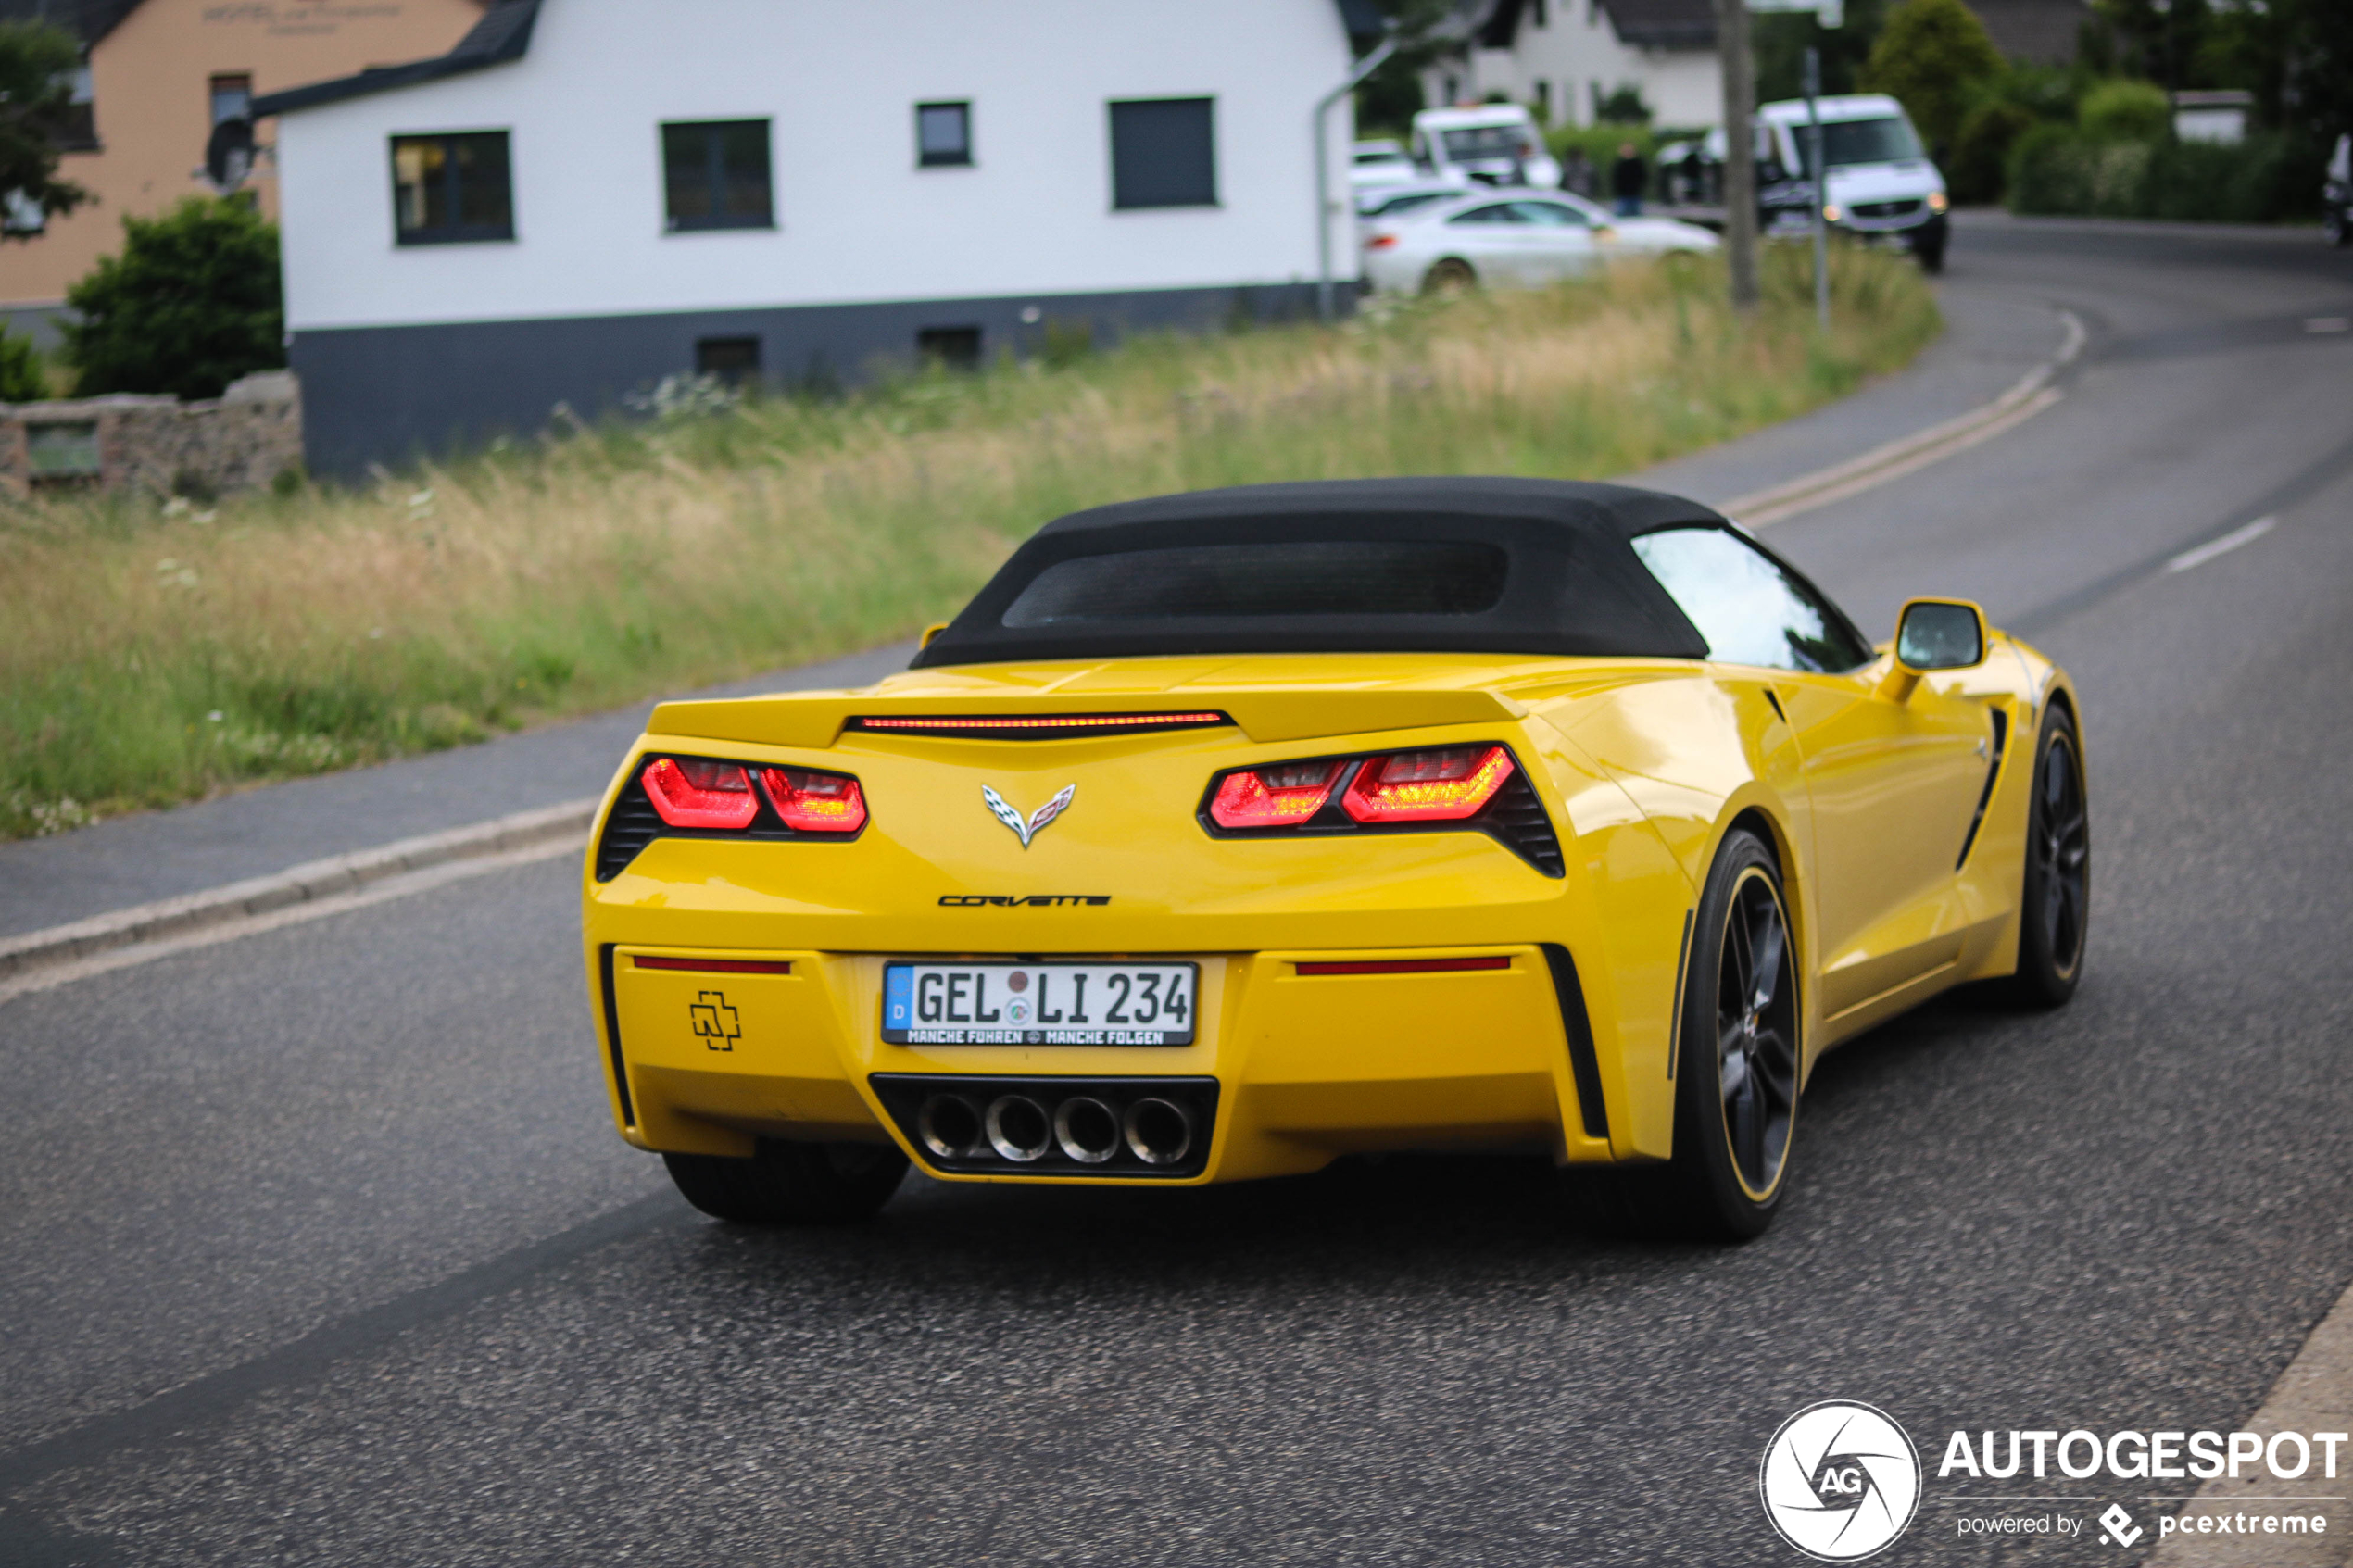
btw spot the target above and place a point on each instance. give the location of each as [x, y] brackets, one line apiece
[2054, 900]
[1736, 1073]
[791, 1184]
[1756, 1034]
[1449, 276]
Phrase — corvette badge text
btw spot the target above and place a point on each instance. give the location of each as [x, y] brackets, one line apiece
[1841, 1481]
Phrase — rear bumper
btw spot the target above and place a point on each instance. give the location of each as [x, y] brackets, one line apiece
[1305, 1067]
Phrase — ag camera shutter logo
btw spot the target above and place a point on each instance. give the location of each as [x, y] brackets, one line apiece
[1840, 1481]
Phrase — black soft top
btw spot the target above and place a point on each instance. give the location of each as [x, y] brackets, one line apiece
[1570, 582]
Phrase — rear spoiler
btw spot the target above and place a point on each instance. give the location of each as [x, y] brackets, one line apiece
[814, 720]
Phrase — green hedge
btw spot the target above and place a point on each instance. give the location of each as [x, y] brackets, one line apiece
[2268, 178]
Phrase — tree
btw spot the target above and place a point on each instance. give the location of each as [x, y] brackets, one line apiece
[1392, 95]
[20, 377]
[1779, 40]
[1934, 57]
[36, 111]
[191, 304]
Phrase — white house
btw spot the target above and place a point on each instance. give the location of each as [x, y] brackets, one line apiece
[1564, 57]
[586, 195]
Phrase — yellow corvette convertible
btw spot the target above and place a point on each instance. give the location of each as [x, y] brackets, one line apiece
[1225, 834]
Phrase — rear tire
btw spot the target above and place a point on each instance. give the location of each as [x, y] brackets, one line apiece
[791, 1184]
[2055, 895]
[1736, 1071]
[1452, 275]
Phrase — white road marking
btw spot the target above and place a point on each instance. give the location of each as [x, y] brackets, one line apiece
[2223, 545]
[1911, 453]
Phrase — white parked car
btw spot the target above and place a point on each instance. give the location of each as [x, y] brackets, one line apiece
[1491, 143]
[1395, 201]
[1379, 163]
[1511, 237]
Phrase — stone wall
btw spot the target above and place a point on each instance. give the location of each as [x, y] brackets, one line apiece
[239, 441]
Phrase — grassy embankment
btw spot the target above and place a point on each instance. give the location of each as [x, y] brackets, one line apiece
[157, 652]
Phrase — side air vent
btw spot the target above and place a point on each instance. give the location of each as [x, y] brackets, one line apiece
[1517, 817]
[631, 827]
[1985, 795]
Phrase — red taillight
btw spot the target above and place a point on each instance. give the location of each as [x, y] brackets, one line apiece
[1444, 786]
[1380, 241]
[1279, 796]
[690, 793]
[812, 802]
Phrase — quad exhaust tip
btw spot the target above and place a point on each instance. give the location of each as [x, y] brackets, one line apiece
[1160, 1132]
[1086, 1130]
[1019, 1129]
[948, 1125]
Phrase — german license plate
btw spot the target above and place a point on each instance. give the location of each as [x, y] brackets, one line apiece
[1039, 1004]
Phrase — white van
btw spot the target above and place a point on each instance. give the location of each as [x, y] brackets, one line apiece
[1881, 183]
[1489, 144]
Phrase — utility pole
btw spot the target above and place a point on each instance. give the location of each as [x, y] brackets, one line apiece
[1740, 151]
[1819, 175]
[1364, 68]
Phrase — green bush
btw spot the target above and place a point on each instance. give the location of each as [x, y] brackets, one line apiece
[2266, 179]
[2125, 111]
[1982, 149]
[190, 305]
[21, 378]
[1934, 57]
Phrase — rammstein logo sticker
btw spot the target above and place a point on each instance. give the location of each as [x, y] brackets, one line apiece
[1025, 831]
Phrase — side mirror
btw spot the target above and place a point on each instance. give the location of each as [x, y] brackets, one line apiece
[1935, 634]
[934, 629]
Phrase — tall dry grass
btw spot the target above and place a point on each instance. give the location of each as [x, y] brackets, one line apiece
[154, 652]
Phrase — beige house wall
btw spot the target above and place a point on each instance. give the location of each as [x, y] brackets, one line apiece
[152, 99]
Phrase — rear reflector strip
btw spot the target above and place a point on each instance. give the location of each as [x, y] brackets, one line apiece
[1402, 966]
[1041, 726]
[714, 966]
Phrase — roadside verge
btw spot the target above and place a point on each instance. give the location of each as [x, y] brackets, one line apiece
[56, 955]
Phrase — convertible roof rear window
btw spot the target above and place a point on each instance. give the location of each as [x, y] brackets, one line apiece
[1518, 566]
[1282, 578]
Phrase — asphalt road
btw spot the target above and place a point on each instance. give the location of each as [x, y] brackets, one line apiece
[320, 1248]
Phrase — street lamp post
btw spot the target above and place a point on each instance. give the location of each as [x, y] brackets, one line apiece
[1819, 176]
[1365, 68]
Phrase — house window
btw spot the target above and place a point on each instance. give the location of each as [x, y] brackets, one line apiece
[232, 98]
[943, 135]
[447, 189]
[1543, 100]
[80, 134]
[716, 172]
[1163, 153]
[732, 360]
[1544, 12]
[957, 348]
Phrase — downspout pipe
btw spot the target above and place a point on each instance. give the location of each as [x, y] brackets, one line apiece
[1365, 68]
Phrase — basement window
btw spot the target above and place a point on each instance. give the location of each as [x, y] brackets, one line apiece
[956, 349]
[732, 360]
[451, 189]
[715, 173]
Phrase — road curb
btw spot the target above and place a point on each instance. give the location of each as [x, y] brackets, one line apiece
[313, 880]
[2314, 1394]
[1907, 454]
